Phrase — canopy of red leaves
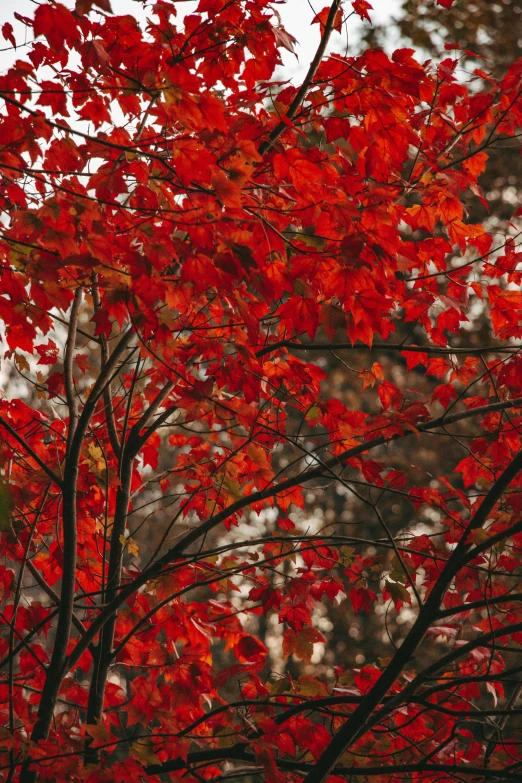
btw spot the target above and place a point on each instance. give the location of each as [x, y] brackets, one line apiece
[185, 237]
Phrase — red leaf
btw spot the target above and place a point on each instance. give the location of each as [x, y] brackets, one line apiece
[362, 599]
[332, 319]
[389, 394]
[48, 352]
[57, 24]
[250, 649]
[7, 33]
[444, 394]
[361, 7]
[414, 358]
[53, 95]
[301, 313]
[285, 524]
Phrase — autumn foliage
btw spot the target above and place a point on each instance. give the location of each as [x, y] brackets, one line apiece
[188, 241]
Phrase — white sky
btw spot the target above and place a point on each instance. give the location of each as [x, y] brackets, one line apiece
[296, 16]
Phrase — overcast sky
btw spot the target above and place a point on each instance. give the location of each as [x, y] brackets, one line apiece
[296, 16]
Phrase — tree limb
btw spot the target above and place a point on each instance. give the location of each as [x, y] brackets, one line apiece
[307, 83]
[356, 725]
[178, 549]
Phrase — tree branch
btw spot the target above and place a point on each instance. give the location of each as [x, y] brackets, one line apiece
[307, 83]
[107, 393]
[70, 391]
[295, 346]
[103, 656]
[57, 666]
[178, 549]
[54, 478]
[356, 725]
[238, 754]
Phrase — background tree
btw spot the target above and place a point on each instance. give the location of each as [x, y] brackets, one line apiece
[184, 243]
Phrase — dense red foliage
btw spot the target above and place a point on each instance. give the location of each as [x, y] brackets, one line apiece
[180, 229]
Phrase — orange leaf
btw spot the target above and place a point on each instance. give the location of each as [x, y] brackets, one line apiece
[227, 192]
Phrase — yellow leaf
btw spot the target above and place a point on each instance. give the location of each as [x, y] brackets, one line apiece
[311, 686]
[99, 734]
[131, 545]
[479, 536]
[312, 415]
[347, 555]
[142, 750]
[95, 459]
[280, 686]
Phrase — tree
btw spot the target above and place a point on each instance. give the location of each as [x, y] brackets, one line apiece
[184, 240]
[485, 33]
